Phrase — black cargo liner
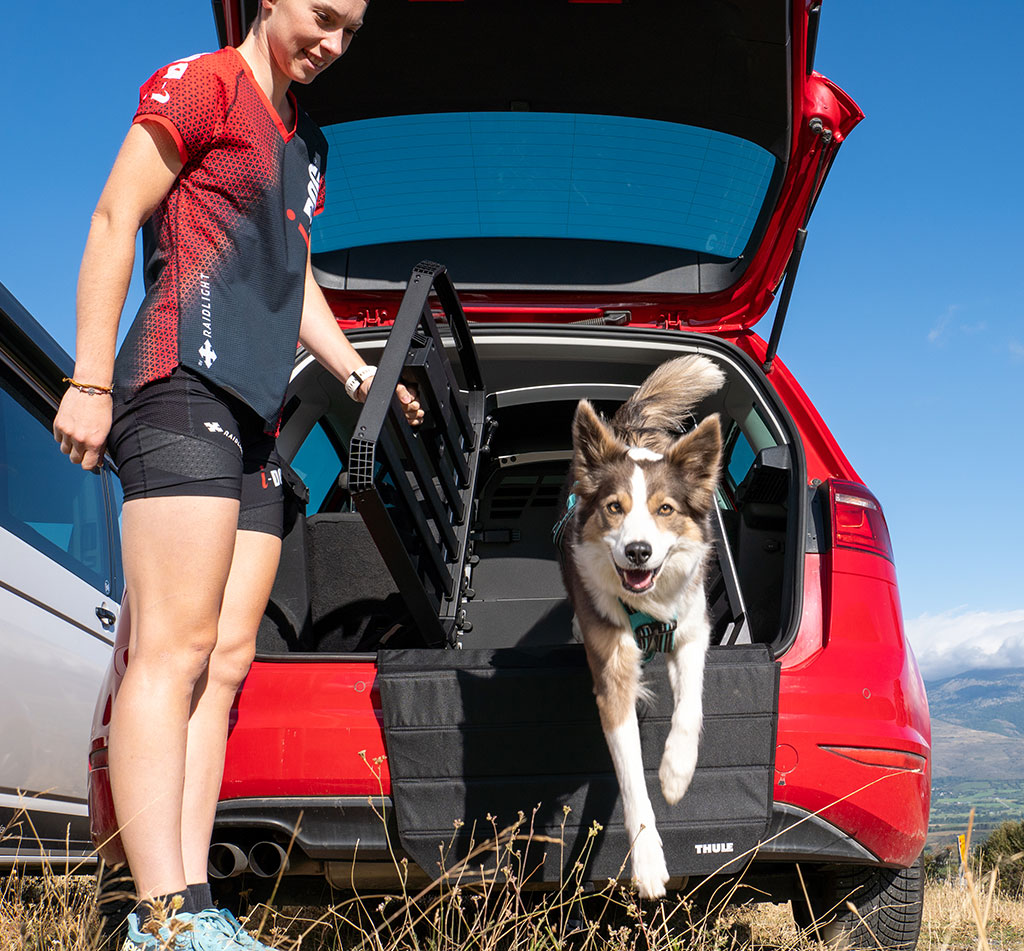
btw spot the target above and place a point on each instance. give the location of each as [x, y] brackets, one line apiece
[477, 733]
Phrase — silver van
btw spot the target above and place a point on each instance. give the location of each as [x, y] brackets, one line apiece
[60, 593]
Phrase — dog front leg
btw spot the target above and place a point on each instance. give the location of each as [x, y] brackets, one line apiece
[686, 674]
[616, 691]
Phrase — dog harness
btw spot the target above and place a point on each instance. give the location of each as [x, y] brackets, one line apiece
[651, 635]
[558, 532]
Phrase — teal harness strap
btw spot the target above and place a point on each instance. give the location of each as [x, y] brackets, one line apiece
[558, 532]
[651, 636]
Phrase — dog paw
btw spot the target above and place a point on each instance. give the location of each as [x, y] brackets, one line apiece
[675, 773]
[649, 870]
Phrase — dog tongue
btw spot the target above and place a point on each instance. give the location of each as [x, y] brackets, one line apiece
[638, 580]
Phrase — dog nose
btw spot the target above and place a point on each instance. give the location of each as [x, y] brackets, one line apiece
[638, 552]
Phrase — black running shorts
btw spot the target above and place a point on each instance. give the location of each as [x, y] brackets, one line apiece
[183, 436]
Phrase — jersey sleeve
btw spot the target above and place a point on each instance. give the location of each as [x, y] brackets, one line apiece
[188, 98]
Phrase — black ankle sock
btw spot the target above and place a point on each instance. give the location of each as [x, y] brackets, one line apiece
[199, 897]
[145, 908]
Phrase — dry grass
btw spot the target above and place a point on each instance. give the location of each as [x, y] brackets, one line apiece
[469, 909]
[58, 913]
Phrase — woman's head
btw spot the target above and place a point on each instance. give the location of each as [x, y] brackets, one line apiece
[303, 37]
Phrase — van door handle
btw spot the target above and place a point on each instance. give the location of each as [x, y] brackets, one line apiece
[106, 616]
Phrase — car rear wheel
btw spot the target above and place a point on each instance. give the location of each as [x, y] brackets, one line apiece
[887, 905]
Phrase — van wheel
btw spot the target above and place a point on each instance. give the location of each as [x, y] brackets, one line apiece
[115, 900]
[888, 903]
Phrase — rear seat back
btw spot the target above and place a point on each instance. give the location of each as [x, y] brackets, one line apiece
[332, 593]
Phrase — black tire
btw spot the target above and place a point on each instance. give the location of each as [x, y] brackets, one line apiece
[115, 900]
[889, 902]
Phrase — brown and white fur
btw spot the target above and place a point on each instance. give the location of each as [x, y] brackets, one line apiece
[639, 533]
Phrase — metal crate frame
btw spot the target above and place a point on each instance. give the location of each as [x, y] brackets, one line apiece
[414, 486]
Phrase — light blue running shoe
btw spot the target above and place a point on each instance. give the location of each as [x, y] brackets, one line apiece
[240, 936]
[136, 940]
[170, 938]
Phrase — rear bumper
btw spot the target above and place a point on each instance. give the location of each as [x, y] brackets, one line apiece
[348, 829]
[307, 736]
[324, 828]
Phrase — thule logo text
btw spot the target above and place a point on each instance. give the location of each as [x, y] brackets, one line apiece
[713, 848]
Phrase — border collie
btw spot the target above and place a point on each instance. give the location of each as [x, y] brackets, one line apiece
[634, 540]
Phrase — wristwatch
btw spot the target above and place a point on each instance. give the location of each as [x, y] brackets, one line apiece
[357, 378]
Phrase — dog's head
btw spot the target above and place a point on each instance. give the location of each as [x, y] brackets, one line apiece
[644, 512]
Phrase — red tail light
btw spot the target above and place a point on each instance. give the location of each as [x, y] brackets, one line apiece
[857, 520]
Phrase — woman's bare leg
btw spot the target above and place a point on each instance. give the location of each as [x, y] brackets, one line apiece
[177, 556]
[253, 569]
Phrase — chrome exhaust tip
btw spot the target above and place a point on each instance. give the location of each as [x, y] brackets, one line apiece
[226, 860]
[267, 859]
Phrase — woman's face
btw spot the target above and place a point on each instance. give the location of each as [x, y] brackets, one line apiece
[306, 36]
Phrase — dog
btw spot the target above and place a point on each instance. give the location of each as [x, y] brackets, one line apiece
[634, 541]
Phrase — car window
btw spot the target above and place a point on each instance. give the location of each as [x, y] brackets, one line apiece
[46, 501]
[744, 439]
[538, 174]
[317, 464]
[741, 458]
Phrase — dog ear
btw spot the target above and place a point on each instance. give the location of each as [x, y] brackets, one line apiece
[699, 455]
[592, 439]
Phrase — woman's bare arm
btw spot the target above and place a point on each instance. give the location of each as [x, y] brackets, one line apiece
[320, 334]
[143, 173]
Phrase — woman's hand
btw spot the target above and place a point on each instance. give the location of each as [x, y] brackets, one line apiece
[82, 425]
[407, 397]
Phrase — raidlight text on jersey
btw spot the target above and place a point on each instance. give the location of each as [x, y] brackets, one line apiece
[206, 304]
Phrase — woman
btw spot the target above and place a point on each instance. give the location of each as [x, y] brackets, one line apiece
[223, 172]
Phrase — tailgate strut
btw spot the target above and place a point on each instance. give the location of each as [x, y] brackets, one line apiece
[825, 159]
[787, 292]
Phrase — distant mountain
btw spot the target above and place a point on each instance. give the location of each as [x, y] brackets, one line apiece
[961, 753]
[977, 752]
[991, 701]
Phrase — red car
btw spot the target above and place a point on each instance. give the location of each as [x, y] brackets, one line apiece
[607, 185]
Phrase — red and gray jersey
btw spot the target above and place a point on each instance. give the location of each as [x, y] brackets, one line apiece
[225, 252]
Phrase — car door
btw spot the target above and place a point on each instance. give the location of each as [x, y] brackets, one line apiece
[59, 598]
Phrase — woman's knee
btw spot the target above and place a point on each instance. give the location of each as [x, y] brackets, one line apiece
[182, 657]
[230, 662]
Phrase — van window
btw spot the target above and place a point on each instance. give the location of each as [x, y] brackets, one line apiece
[55, 506]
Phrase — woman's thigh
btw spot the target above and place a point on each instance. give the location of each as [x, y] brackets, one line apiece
[177, 553]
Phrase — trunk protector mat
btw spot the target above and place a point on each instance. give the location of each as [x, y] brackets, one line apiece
[478, 733]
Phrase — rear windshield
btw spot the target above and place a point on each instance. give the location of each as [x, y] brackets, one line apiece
[516, 174]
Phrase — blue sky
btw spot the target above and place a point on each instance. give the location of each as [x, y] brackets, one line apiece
[906, 323]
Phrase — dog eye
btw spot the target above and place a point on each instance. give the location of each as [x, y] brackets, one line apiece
[614, 507]
[665, 509]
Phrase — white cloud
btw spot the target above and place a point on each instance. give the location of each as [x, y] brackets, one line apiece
[938, 332]
[950, 643]
[1016, 350]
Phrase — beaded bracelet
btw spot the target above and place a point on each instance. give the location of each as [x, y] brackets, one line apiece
[93, 389]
